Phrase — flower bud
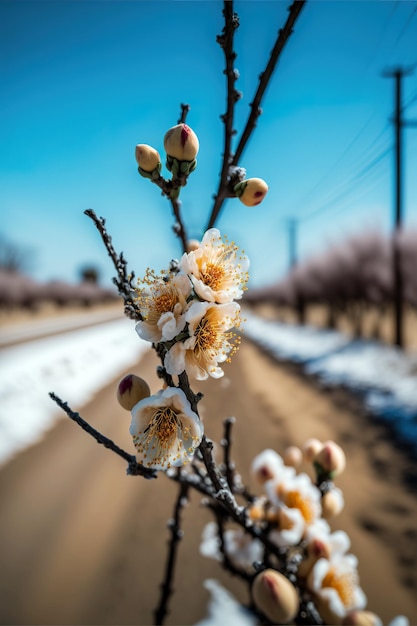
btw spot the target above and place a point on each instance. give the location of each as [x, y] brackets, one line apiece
[147, 157]
[332, 503]
[330, 460]
[251, 191]
[130, 390]
[181, 143]
[275, 596]
[292, 456]
[316, 549]
[311, 448]
[361, 618]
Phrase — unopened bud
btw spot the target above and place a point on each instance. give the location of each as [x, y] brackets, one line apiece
[330, 460]
[292, 456]
[332, 503]
[362, 618]
[181, 143]
[147, 157]
[130, 390]
[251, 191]
[275, 596]
[311, 448]
[316, 549]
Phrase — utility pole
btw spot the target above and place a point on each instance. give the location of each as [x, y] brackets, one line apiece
[292, 242]
[398, 74]
[293, 260]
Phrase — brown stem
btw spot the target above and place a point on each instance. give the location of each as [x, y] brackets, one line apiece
[123, 281]
[174, 525]
[184, 112]
[226, 443]
[226, 42]
[134, 468]
[283, 36]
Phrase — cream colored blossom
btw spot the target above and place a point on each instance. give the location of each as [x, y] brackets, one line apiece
[322, 543]
[165, 430]
[291, 527]
[209, 343]
[218, 270]
[162, 304]
[335, 583]
[267, 465]
[238, 545]
[295, 492]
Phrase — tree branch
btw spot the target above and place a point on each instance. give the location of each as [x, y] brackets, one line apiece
[134, 468]
[226, 442]
[283, 36]
[225, 40]
[184, 112]
[176, 535]
[265, 77]
[123, 281]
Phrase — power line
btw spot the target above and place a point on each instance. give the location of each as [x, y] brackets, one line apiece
[348, 186]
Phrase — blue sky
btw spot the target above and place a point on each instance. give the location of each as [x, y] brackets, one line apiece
[84, 81]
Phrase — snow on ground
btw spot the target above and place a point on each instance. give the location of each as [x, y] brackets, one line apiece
[74, 365]
[384, 376]
[77, 364]
[224, 609]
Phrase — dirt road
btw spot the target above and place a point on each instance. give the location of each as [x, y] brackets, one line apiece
[81, 543]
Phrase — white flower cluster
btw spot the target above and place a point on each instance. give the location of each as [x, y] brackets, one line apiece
[193, 311]
[292, 513]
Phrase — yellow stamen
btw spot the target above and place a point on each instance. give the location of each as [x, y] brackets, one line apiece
[344, 584]
[294, 500]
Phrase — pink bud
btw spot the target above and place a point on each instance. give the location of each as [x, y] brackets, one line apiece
[362, 618]
[292, 456]
[181, 143]
[147, 157]
[275, 596]
[331, 458]
[254, 191]
[130, 390]
[311, 448]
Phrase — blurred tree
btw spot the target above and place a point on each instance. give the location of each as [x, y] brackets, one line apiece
[89, 274]
[14, 257]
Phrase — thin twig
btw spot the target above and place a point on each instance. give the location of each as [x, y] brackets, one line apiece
[227, 562]
[283, 36]
[123, 281]
[167, 187]
[134, 468]
[226, 443]
[184, 112]
[226, 42]
[174, 525]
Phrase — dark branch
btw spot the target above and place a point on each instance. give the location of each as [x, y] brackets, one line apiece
[226, 42]
[227, 562]
[265, 77]
[226, 443]
[170, 189]
[174, 525]
[184, 112]
[123, 281]
[283, 36]
[134, 468]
